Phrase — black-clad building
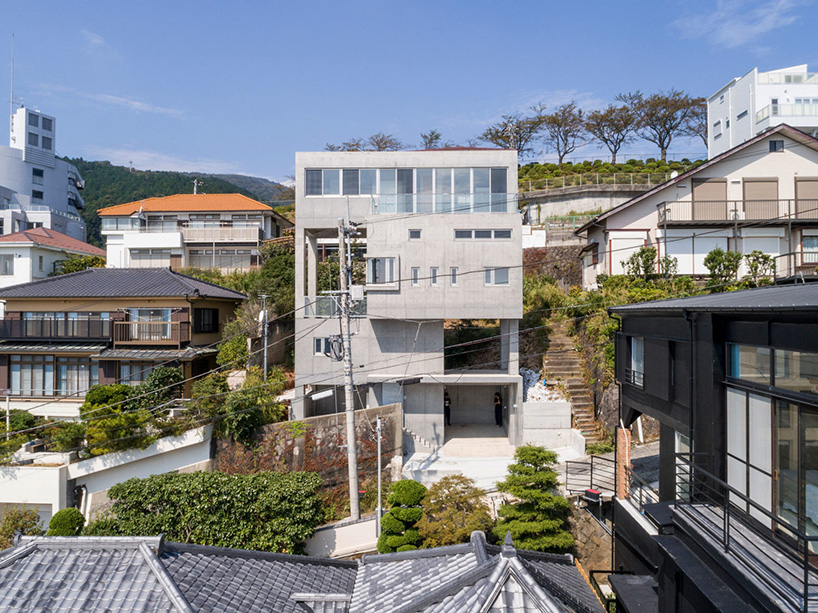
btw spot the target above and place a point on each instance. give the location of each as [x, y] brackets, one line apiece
[733, 380]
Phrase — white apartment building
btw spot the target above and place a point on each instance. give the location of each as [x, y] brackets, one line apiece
[36, 188]
[441, 236]
[223, 231]
[761, 195]
[748, 105]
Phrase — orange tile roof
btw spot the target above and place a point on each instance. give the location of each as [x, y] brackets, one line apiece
[52, 238]
[187, 203]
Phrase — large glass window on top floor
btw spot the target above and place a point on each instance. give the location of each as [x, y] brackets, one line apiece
[417, 190]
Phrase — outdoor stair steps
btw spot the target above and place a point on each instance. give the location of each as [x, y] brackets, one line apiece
[562, 362]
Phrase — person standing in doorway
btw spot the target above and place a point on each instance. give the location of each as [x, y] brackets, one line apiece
[498, 409]
[447, 408]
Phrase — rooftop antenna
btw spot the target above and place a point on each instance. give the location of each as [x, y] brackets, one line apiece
[11, 98]
[196, 184]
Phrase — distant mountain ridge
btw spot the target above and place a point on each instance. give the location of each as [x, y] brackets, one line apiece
[108, 184]
[266, 190]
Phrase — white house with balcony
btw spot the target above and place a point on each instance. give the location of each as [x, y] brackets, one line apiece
[758, 101]
[441, 237]
[36, 188]
[222, 231]
[761, 195]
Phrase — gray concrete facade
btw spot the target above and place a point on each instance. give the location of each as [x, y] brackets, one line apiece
[442, 239]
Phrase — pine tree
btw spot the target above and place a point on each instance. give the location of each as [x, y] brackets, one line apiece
[539, 520]
[398, 531]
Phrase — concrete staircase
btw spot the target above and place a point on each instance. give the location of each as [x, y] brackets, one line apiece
[562, 362]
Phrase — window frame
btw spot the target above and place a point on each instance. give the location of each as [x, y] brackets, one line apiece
[490, 276]
[391, 271]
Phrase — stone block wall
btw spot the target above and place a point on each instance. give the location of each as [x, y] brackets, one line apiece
[317, 444]
[560, 262]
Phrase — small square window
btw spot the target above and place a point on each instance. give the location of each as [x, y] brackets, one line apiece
[414, 234]
[495, 276]
[776, 145]
[453, 275]
[47, 143]
[322, 346]
[48, 124]
[415, 277]
[33, 139]
[462, 233]
[37, 195]
[433, 275]
[33, 120]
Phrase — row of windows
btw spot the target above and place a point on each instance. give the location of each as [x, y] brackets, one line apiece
[470, 234]
[36, 121]
[35, 375]
[34, 140]
[382, 271]
[795, 371]
[372, 181]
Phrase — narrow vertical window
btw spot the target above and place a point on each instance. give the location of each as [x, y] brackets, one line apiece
[433, 274]
[453, 275]
[415, 277]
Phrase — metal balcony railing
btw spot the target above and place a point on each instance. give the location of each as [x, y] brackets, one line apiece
[52, 328]
[737, 210]
[220, 234]
[787, 110]
[775, 554]
[640, 491]
[774, 78]
[598, 473]
[635, 377]
[151, 333]
[328, 306]
[589, 179]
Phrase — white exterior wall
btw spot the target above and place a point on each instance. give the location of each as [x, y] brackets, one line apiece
[626, 231]
[49, 487]
[752, 93]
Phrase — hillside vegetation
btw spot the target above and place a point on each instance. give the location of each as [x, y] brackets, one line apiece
[107, 185]
[544, 176]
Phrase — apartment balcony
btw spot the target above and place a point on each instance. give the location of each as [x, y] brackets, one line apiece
[776, 77]
[728, 212]
[55, 329]
[222, 234]
[444, 203]
[797, 115]
[171, 333]
[328, 306]
[744, 537]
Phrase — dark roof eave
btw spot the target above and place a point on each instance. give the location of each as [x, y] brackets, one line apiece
[628, 309]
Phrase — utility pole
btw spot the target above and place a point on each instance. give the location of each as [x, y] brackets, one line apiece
[352, 451]
[380, 506]
[264, 313]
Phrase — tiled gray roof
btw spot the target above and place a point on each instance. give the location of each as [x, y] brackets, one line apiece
[52, 575]
[118, 283]
[17, 347]
[471, 577]
[225, 580]
[797, 297]
[149, 353]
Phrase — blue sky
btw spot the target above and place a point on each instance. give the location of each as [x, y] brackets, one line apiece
[241, 86]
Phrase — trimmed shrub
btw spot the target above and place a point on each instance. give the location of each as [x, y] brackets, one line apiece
[67, 522]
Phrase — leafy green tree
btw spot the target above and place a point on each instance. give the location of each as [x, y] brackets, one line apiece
[660, 117]
[669, 267]
[112, 422]
[241, 412]
[398, 525]
[277, 280]
[16, 521]
[564, 130]
[612, 126]
[539, 521]
[66, 435]
[452, 509]
[723, 266]
[78, 263]
[162, 385]
[760, 268]
[67, 522]
[642, 263]
[263, 511]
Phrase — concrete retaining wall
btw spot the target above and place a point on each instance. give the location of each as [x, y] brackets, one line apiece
[344, 539]
[549, 424]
